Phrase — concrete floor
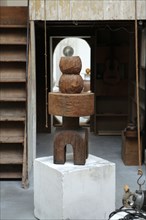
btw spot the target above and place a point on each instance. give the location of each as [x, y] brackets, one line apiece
[17, 203]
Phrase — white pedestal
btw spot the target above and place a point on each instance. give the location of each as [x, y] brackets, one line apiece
[71, 191]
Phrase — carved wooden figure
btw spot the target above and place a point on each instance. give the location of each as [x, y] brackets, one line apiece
[71, 103]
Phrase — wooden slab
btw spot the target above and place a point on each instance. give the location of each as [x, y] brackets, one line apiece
[71, 105]
[13, 16]
[13, 36]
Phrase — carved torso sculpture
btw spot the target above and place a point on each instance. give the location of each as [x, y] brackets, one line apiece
[71, 103]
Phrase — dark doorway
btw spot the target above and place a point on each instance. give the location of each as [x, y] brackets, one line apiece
[113, 109]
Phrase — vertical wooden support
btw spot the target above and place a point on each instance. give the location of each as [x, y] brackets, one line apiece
[24, 166]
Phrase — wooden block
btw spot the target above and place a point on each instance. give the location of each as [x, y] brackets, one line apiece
[130, 150]
[13, 36]
[13, 15]
[79, 141]
[8, 171]
[12, 72]
[71, 105]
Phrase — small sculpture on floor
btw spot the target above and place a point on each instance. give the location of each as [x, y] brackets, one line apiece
[127, 197]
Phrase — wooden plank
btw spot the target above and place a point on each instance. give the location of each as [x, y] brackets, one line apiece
[110, 124]
[12, 110]
[10, 175]
[13, 36]
[15, 92]
[111, 115]
[110, 133]
[11, 154]
[13, 72]
[11, 99]
[10, 171]
[12, 132]
[13, 54]
[13, 26]
[11, 118]
[9, 139]
[13, 15]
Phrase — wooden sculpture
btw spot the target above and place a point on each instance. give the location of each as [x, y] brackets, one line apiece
[71, 103]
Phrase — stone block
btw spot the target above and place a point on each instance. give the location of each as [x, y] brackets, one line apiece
[73, 191]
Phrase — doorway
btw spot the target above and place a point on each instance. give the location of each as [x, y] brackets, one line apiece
[113, 106]
[81, 41]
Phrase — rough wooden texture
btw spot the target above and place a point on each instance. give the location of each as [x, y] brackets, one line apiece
[87, 10]
[16, 37]
[70, 83]
[15, 92]
[13, 35]
[129, 150]
[11, 72]
[7, 16]
[11, 53]
[71, 105]
[70, 65]
[79, 141]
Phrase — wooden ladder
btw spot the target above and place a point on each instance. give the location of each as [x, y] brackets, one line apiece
[13, 93]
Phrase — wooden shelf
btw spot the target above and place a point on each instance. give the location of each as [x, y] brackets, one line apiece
[13, 90]
[11, 171]
[111, 115]
[11, 139]
[12, 110]
[13, 54]
[111, 100]
[14, 26]
[13, 37]
[11, 118]
[11, 99]
[104, 132]
[12, 72]
[11, 154]
[12, 80]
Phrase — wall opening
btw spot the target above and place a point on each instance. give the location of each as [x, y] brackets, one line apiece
[110, 42]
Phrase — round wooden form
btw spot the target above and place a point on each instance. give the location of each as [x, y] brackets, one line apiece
[71, 105]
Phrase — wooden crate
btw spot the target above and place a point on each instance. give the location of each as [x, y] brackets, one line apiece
[130, 150]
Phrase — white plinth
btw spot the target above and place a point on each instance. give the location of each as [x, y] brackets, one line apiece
[71, 191]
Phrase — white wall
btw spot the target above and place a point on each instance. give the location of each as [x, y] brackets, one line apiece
[81, 49]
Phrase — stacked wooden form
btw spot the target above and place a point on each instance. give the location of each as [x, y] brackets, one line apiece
[13, 95]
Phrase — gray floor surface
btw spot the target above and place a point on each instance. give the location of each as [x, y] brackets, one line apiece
[17, 203]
